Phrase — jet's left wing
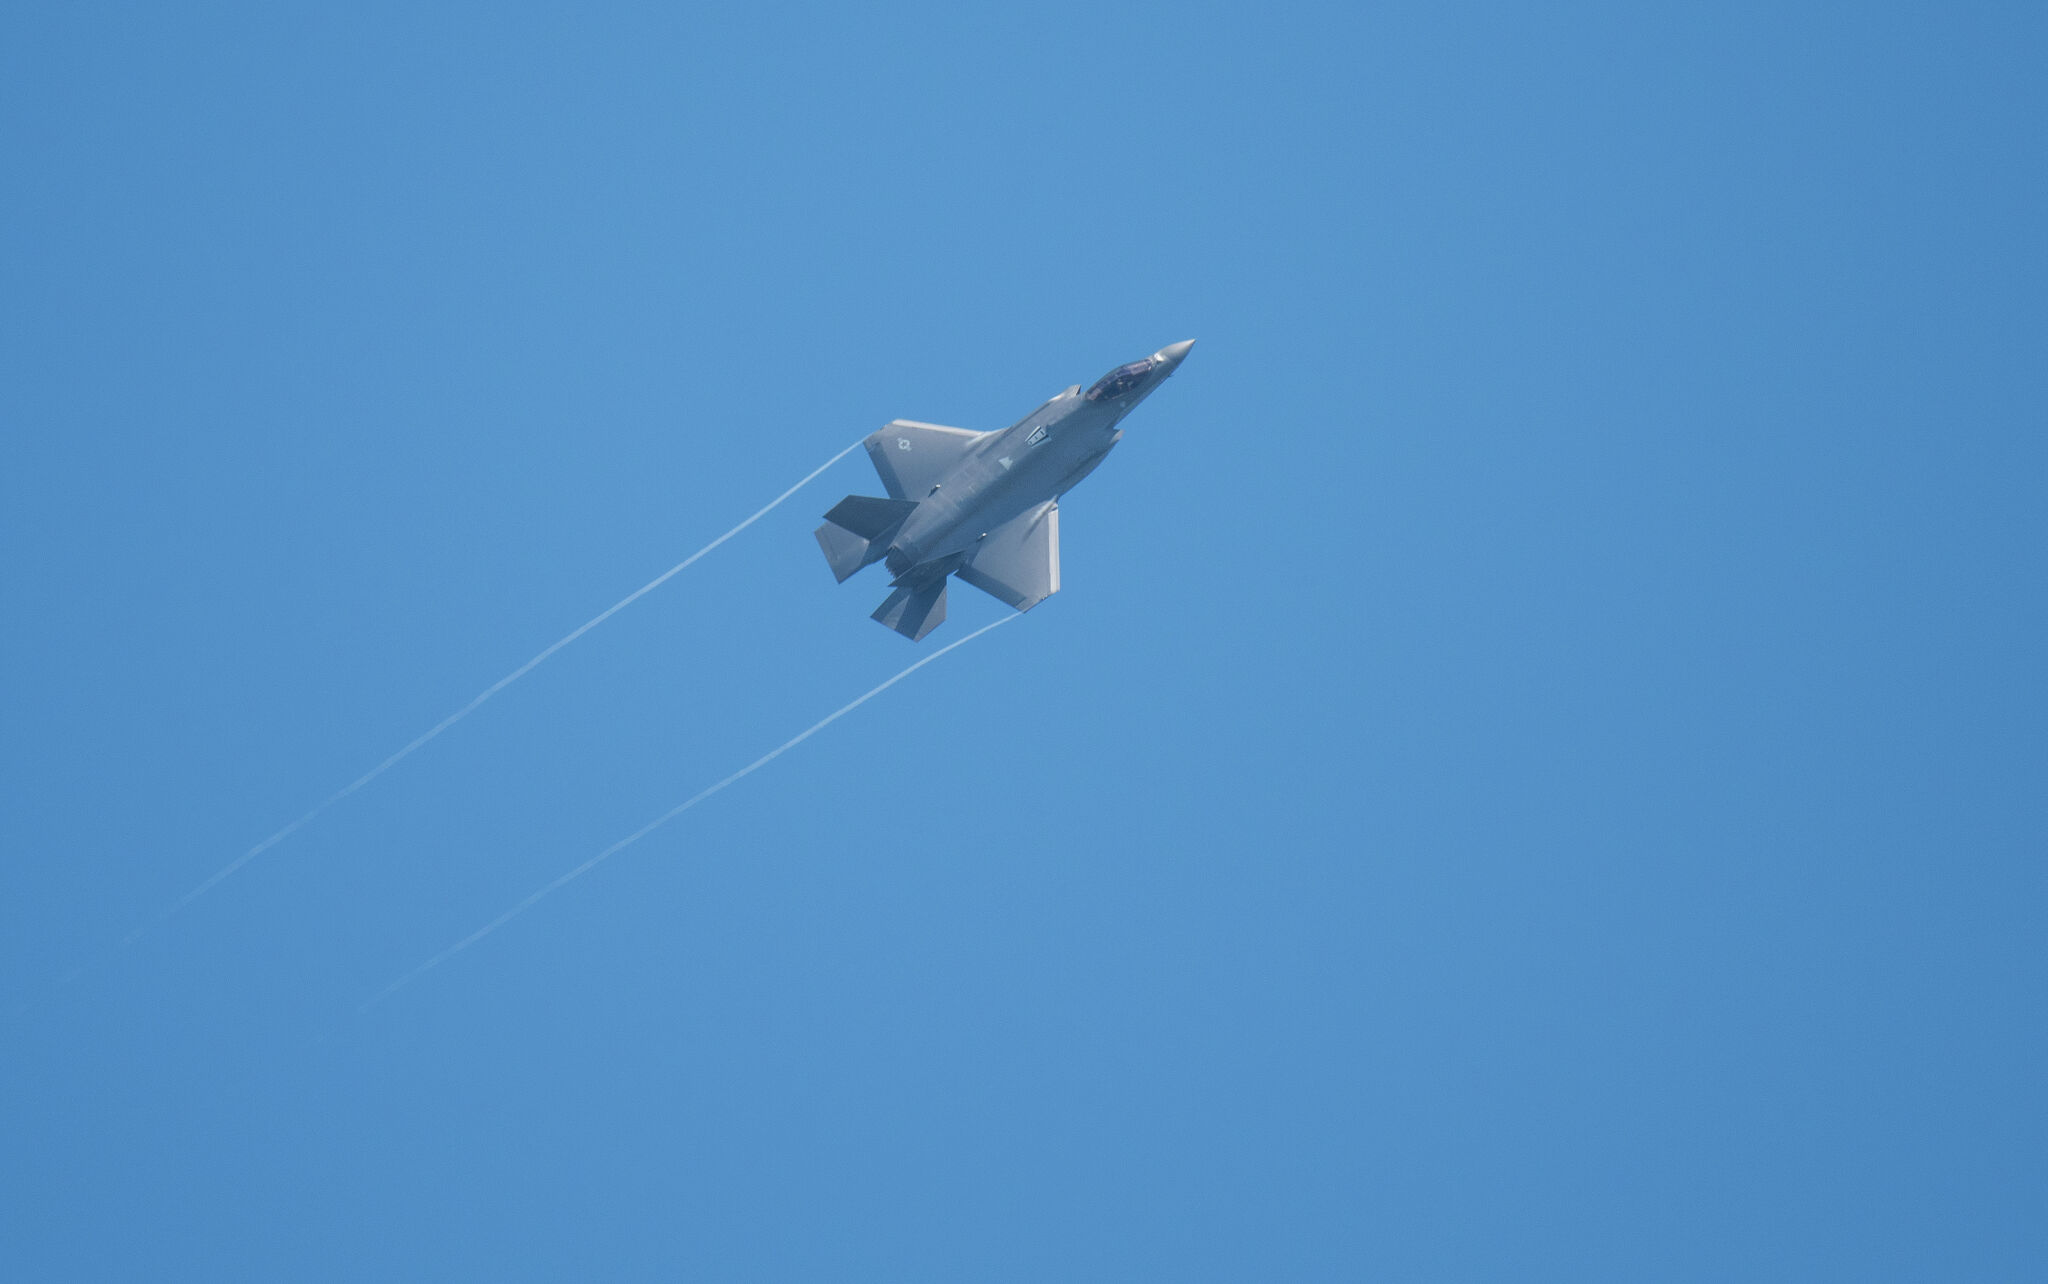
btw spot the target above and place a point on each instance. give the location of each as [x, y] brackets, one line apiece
[913, 457]
[1019, 562]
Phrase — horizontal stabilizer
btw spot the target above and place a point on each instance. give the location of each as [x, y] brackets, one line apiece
[846, 551]
[869, 517]
[914, 612]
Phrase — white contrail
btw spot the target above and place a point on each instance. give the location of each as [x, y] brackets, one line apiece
[486, 694]
[663, 819]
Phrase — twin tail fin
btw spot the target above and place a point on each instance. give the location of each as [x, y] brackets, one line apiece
[857, 532]
[915, 611]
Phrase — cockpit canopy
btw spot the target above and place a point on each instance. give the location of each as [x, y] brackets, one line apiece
[1120, 380]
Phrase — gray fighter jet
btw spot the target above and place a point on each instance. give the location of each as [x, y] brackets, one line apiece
[981, 505]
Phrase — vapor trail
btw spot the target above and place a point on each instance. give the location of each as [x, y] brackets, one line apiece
[663, 819]
[506, 681]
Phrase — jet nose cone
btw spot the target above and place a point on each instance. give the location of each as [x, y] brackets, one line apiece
[1173, 354]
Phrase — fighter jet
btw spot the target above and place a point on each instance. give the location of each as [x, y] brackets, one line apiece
[981, 505]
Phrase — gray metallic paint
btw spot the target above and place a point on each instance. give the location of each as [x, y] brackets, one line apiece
[986, 504]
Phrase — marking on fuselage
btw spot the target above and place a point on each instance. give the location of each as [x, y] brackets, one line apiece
[1005, 461]
[903, 443]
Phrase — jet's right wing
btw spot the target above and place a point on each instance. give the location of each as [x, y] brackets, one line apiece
[913, 457]
[1019, 562]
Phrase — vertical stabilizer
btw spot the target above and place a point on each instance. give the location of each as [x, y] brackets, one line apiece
[914, 612]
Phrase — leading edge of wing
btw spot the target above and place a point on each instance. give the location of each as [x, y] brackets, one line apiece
[913, 457]
[1019, 562]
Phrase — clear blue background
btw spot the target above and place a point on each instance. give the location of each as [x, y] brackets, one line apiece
[1536, 772]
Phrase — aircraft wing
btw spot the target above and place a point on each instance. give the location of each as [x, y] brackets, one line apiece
[913, 457]
[1019, 562]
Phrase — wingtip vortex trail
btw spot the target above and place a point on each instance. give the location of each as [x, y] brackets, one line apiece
[577, 872]
[418, 742]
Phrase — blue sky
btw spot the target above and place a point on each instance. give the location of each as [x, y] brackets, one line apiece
[1536, 770]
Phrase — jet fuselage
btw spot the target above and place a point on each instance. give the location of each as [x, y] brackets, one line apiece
[1038, 458]
[982, 505]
